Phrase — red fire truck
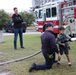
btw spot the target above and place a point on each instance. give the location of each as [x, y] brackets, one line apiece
[63, 13]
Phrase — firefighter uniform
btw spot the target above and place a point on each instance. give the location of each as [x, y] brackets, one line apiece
[49, 48]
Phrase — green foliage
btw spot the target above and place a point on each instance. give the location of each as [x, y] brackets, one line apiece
[29, 18]
[4, 17]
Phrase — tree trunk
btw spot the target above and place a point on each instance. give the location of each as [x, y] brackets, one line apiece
[0, 27]
[1, 36]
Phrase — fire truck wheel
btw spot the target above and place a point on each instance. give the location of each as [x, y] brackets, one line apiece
[44, 28]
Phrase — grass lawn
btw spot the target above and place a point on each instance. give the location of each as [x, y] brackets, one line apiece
[32, 44]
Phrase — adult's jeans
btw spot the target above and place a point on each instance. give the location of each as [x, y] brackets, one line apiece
[49, 60]
[16, 32]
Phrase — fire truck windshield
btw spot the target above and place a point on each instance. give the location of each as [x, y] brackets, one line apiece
[54, 14]
[40, 13]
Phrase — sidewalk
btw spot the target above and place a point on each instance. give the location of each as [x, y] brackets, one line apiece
[11, 34]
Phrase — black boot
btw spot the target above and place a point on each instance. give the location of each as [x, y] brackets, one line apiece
[32, 67]
[23, 47]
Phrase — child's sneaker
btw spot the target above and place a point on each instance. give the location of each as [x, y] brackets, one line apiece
[69, 64]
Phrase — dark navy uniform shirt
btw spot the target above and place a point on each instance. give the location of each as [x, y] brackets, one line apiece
[48, 42]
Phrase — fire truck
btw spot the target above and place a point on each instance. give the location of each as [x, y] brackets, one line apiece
[63, 13]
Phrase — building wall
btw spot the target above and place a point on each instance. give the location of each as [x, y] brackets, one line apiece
[35, 3]
[42, 2]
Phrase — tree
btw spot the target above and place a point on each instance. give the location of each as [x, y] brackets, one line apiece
[29, 18]
[4, 17]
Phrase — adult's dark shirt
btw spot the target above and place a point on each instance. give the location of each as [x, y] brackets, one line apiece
[48, 42]
[17, 20]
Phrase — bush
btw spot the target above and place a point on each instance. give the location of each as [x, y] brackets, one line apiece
[29, 18]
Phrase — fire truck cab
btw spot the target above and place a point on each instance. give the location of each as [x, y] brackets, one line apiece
[58, 14]
[45, 14]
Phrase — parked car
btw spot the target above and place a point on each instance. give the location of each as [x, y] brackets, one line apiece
[9, 27]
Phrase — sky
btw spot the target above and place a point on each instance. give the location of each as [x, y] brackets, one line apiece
[8, 5]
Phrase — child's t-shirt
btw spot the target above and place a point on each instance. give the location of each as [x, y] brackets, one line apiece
[63, 38]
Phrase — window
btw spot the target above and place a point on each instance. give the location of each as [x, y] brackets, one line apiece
[54, 0]
[40, 13]
[74, 2]
[48, 13]
[36, 14]
[54, 12]
[49, 0]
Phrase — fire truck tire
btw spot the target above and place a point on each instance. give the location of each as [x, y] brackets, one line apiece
[44, 27]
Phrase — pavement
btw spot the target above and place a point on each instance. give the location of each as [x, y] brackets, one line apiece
[11, 34]
[4, 73]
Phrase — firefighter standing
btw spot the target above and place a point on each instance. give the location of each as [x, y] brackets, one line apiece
[49, 48]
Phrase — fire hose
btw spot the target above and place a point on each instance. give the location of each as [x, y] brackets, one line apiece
[20, 59]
